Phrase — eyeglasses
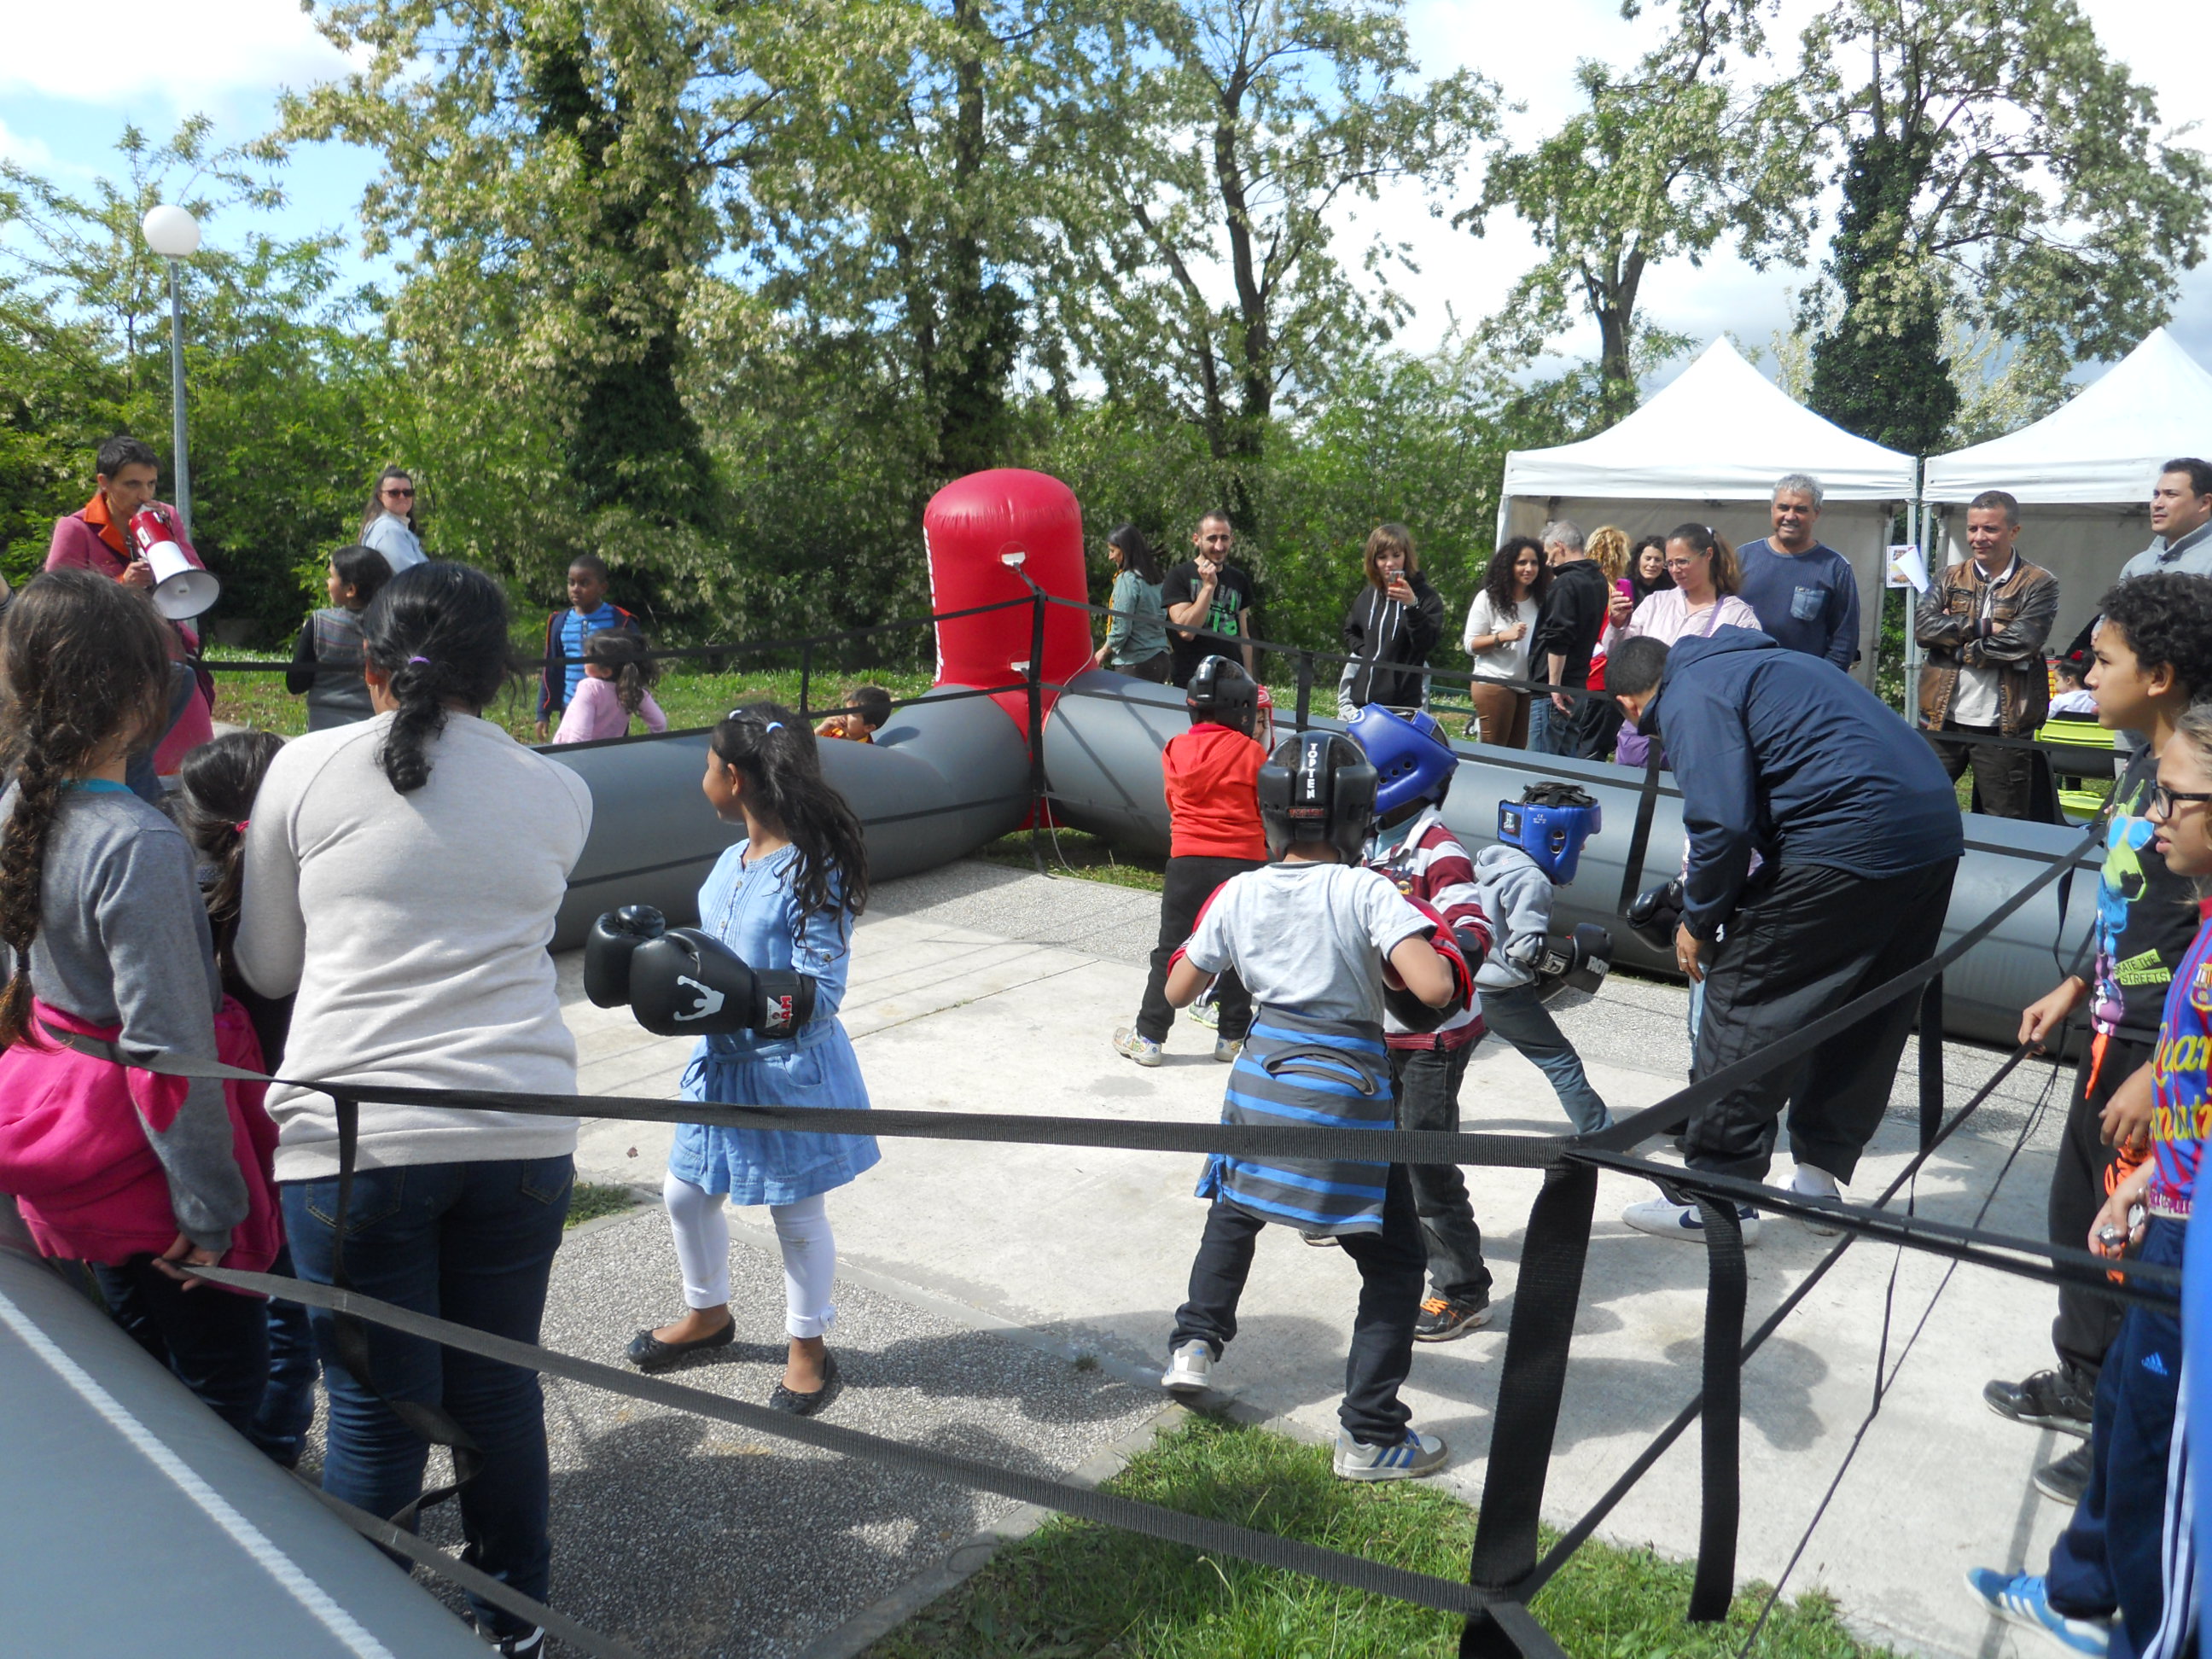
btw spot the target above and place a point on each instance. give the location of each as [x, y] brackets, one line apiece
[2163, 799]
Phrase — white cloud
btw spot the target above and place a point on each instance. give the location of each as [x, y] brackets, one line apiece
[178, 57]
[30, 151]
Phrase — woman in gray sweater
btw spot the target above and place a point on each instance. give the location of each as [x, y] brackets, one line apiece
[402, 876]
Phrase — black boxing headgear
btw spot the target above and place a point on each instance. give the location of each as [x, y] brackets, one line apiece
[1318, 785]
[1222, 692]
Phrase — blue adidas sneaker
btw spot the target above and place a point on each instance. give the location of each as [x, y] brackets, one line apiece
[1409, 1459]
[2020, 1597]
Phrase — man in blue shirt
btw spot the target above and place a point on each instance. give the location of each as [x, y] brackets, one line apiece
[1804, 591]
[1857, 835]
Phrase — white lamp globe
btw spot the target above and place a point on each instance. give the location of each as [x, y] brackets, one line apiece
[171, 232]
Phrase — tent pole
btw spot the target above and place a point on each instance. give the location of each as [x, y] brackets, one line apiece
[1916, 528]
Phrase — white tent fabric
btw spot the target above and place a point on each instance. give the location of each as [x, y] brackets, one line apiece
[1709, 448]
[2084, 472]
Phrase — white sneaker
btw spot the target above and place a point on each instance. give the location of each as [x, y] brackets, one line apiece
[1664, 1219]
[1226, 1052]
[1820, 1187]
[1142, 1049]
[1207, 1013]
[1190, 1368]
[1410, 1459]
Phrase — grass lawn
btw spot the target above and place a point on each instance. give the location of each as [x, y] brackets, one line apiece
[1074, 852]
[590, 1200]
[1072, 1590]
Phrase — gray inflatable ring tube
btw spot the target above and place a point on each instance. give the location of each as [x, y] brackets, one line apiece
[941, 779]
[1102, 749]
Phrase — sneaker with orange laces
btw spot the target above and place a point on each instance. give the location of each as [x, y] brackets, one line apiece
[1441, 1318]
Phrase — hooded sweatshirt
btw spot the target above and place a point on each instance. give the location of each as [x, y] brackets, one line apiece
[1212, 776]
[1387, 640]
[1778, 755]
[1516, 896]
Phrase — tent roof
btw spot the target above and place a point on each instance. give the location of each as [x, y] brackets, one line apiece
[2103, 445]
[1721, 431]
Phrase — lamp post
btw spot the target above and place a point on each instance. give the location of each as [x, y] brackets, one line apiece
[175, 234]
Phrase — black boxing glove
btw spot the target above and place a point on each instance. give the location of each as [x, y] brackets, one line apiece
[1656, 913]
[687, 983]
[608, 949]
[1576, 963]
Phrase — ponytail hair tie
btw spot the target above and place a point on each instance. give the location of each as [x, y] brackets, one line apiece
[425, 661]
[240, 825]
[773, 725]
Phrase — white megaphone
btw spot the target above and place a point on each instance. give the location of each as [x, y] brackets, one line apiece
[181, 589]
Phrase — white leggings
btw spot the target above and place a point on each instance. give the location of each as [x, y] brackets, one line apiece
[702, 1227]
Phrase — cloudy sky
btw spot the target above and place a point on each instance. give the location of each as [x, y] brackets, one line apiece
[64, 96]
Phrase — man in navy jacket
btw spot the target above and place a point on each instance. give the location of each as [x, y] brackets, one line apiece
[1857, 835]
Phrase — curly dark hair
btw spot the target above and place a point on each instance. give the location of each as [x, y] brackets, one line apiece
[2167, 618]
[1497, 580]
[87, 665]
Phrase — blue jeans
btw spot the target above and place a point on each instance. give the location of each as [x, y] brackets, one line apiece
[473, 1243]
[215, 1342]
[2107, 1558]
[1547, 725]
[1521, 1020]
[287, 1402]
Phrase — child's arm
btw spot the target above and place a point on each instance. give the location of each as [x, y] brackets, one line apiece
[300, 676]
[649, 711]
[1186, 979]
[1413, 963]
[551, 675]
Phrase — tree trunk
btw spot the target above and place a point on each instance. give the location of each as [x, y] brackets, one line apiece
[1252, 347]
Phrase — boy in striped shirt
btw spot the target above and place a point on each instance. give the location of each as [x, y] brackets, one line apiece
[1424, 860]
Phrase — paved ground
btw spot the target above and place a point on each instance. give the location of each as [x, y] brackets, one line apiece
[979, 989]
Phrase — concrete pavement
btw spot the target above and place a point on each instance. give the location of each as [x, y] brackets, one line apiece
[979, 989]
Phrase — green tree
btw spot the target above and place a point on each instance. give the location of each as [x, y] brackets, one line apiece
[1667, 161]
[1200, 274]
[1999, 166]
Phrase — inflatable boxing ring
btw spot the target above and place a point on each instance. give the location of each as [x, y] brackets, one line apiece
[953, 771]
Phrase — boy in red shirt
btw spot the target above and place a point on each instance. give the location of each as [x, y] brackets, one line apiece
[1213, 777]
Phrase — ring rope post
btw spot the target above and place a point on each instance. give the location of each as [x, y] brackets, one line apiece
[1305, 691]
[1639, 842]
[805, 675]
[1931, 1060]
[1722, 1429]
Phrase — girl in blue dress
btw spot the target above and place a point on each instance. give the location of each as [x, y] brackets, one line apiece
[784, 897]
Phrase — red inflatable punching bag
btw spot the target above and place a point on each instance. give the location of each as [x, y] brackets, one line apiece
[978, 529]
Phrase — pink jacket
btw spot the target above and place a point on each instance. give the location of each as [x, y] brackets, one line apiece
[77, 545]
[73, 1154]
[596, 712]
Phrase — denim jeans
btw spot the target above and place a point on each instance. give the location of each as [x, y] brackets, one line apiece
[1518, 1016]
[1546, 726]
[287, 1402]
[1391, 1264]
[215, 1341]
[473, 1243]
[1426, 1082]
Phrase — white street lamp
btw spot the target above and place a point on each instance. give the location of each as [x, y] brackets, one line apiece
[175, 234]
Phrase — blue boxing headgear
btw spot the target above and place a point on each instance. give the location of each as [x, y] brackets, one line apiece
[1550, 822]
[1412, 757]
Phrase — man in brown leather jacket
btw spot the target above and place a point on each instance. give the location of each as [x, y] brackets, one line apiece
[1983, 624]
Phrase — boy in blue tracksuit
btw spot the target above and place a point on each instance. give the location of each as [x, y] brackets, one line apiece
[1858, 835]
[1315, 938]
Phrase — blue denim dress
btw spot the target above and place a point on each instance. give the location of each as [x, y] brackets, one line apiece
[752, 908]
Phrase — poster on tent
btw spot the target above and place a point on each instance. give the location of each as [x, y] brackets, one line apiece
[1907, 568]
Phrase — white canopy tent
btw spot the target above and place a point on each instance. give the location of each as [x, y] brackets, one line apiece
[1709, 448]
[2083, 473]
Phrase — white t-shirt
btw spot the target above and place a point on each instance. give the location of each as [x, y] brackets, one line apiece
[415, 929]
[1977, 700]
[1308, 939]
[1500, 662]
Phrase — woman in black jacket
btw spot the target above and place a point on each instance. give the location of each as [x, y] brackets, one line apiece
[1390, 629]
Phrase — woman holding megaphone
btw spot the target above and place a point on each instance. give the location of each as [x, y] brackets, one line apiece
[124, 534]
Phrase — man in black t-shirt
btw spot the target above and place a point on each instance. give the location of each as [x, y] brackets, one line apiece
[2154, 652]
[1209, 602]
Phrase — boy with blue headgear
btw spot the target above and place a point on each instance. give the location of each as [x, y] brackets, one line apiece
[1423, 859]
[1539, 844]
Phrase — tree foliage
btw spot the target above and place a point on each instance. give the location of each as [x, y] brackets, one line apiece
[1668, 160]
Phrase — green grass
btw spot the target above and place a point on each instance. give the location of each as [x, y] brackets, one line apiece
[589, 1200]
[1072, 1591]
[1088, 857]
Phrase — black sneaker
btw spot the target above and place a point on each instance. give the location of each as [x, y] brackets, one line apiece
[2048, 1399]
[1442, 1319]
[2066, 1480]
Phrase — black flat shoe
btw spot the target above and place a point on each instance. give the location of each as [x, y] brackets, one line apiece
[806, 1405]
[649, 1353]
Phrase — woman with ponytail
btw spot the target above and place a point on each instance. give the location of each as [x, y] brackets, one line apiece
[143, 1176]
[402, 875]
[784, 897]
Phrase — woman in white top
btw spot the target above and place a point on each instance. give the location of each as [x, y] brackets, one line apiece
[1497, 638]
[388, 525]
[402, 875]
[1704, 598]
